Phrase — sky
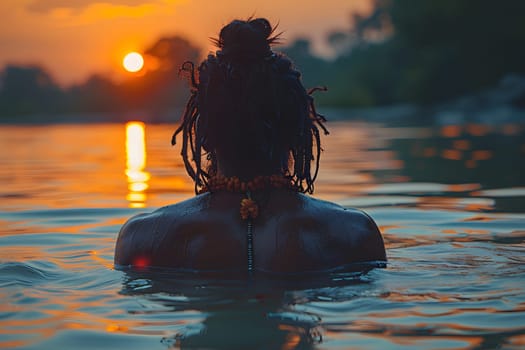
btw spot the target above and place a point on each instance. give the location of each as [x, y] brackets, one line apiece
[73, 39]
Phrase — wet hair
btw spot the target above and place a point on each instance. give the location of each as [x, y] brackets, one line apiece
[248, 109]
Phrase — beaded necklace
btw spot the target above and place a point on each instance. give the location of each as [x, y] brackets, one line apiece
[249, 210]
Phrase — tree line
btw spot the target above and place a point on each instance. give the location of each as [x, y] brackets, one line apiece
[420, 52]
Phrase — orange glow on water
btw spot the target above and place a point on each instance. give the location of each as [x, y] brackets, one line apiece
[449, 231]
[451, 154]
[477, 129]
[429, 152]
[96, 257]
[471, 164]
[136, 163]
[451, 131]
[292, 338]
[481, 155]
[462, 187]
[518, 340]
[462, 145]
[511, 129]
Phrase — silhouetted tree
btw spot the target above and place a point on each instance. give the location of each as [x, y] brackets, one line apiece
[28, 89]
[97, 94]
[429, 51]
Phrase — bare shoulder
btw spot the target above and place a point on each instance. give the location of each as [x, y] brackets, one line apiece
[139, 238]
[352, 231]
[134, 242]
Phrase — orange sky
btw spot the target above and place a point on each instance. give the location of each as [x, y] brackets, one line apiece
[75, 38]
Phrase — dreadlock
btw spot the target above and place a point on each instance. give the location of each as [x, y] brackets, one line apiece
[249, 108]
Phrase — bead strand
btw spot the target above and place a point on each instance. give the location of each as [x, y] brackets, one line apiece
[249, 246]
[249, 208]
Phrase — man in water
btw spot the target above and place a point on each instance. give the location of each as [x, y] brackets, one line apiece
[250, 135]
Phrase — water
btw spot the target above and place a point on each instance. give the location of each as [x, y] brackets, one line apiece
[449, 201]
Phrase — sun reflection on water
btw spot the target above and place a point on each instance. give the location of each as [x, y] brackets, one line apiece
[136, 163]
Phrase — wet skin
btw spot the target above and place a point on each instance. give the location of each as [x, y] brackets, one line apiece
[293, 233]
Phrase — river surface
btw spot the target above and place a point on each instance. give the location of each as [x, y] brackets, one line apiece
[450, 201]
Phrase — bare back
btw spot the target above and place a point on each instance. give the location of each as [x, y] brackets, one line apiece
[293, 233]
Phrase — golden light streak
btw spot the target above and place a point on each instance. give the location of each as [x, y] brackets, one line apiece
[136, 163]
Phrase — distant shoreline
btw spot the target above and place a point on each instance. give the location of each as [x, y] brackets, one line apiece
[402, 115]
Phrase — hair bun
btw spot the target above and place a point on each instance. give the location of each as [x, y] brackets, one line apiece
[263, 26]
[243, 40]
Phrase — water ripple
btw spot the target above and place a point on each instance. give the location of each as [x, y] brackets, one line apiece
[27, 274]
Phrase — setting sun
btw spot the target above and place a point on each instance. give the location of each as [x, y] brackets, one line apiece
[133, 62]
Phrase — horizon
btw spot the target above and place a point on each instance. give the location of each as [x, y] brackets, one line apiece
[42, 33]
